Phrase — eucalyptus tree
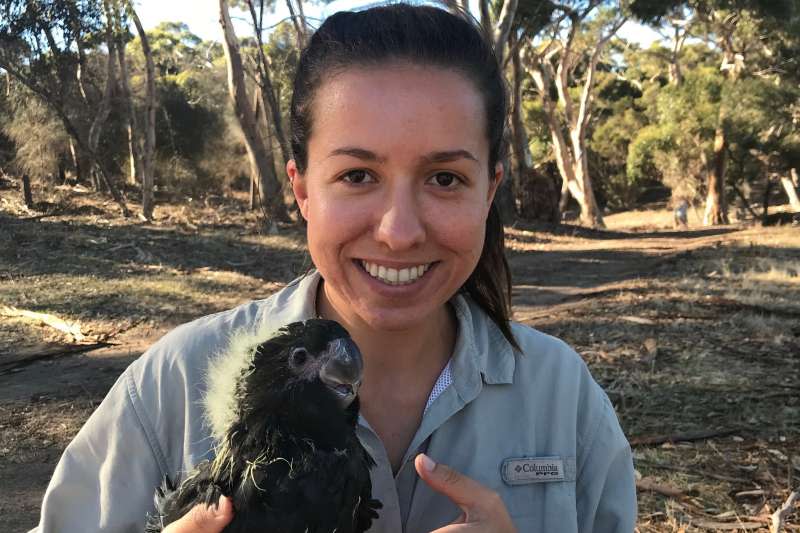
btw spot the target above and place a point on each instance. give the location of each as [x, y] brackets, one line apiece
[259, 154]
[45, 45]
[739, 30]
[565, 57]
[562, 44]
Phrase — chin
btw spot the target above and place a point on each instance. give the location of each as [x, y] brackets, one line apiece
[395, 319]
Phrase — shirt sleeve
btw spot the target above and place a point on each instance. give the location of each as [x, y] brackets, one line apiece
[97, 484]
[606, 487]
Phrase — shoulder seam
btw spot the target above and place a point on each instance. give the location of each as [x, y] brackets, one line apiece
[145, 424]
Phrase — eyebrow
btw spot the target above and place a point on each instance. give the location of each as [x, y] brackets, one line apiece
[433, 157]
[448, 155]
[358, 153]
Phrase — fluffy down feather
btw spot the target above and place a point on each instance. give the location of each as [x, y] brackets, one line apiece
[283, 413]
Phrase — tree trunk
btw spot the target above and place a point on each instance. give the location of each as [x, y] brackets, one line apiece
[270, 174]
[79, 162]
[767, 192]
[716, 207]
[133, 156]
[503, 28]
[270, 192]
[486, 19]
[303, 22]
[269, 98]
[789, 186]
[571, 159]
[522, 155]
[148, 155]
[104, 108]
[298, 21]
[253, 192]
[27, 197]
[134, 134]
[675, 71]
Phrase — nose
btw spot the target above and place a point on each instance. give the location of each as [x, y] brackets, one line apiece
[401, 227]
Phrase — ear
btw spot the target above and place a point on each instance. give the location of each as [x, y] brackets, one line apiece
[298, 187]
[494, 184]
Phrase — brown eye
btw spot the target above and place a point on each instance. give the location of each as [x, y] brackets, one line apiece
[357, 177]
[445, 180]
[298, 357]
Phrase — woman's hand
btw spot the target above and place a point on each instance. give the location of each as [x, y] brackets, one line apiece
[483, 509]
[204, 519]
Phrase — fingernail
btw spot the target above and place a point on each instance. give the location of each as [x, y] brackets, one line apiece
[217, 509]
[428, 463]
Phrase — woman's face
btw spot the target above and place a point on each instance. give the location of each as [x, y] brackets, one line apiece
[396, 191]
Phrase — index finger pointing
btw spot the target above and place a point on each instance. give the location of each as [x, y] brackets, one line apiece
[464, 491]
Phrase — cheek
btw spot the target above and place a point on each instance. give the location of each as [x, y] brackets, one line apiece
[332, 222]
[461, 228]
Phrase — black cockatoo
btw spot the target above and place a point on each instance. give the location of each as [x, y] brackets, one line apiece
[284, 412]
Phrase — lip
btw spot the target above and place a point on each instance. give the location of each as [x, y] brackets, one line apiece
[383, 289]
[395, 264]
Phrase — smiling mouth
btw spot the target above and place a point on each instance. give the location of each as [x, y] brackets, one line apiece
[395, 276]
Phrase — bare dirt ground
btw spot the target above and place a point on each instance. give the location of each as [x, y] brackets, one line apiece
[695, 335]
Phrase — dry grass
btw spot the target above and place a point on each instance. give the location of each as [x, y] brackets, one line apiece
[689, 331]
[725, 324]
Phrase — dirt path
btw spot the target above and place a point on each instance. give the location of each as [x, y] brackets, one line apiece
[574, 284]
[567, 269]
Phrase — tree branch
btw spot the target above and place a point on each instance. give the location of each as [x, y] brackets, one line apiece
[503, 29]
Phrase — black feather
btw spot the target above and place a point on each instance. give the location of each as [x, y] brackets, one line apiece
[291, 462]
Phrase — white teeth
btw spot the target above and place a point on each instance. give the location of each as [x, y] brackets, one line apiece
[403, 274]
[393, 276]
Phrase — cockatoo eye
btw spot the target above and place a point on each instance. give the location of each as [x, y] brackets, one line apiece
[298, 357]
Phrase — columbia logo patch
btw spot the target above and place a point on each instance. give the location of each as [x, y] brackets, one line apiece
[524, 470]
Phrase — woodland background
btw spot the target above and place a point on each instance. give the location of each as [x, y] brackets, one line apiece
[651, 217]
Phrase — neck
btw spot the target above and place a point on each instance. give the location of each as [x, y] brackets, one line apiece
[398, 357]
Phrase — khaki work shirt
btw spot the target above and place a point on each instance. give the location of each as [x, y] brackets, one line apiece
[533, 426]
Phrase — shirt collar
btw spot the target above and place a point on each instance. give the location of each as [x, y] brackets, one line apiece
[481, 354]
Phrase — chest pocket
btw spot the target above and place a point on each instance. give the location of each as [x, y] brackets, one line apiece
[542, 507]
[539, 492]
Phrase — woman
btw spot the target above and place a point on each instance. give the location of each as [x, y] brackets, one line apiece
[397, 121]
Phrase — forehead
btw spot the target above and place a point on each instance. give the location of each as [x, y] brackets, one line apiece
[399, 107]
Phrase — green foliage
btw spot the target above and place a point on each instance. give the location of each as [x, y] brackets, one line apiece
[175, 49]
[620, 117]
[36, 134]
[185, 128]
[675, 147]
[534, 16]
[764, 132]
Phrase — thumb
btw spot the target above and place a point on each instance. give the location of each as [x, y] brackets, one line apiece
[462, 490]
[204, 518]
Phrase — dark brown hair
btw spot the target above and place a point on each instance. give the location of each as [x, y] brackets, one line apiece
[422, 35]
